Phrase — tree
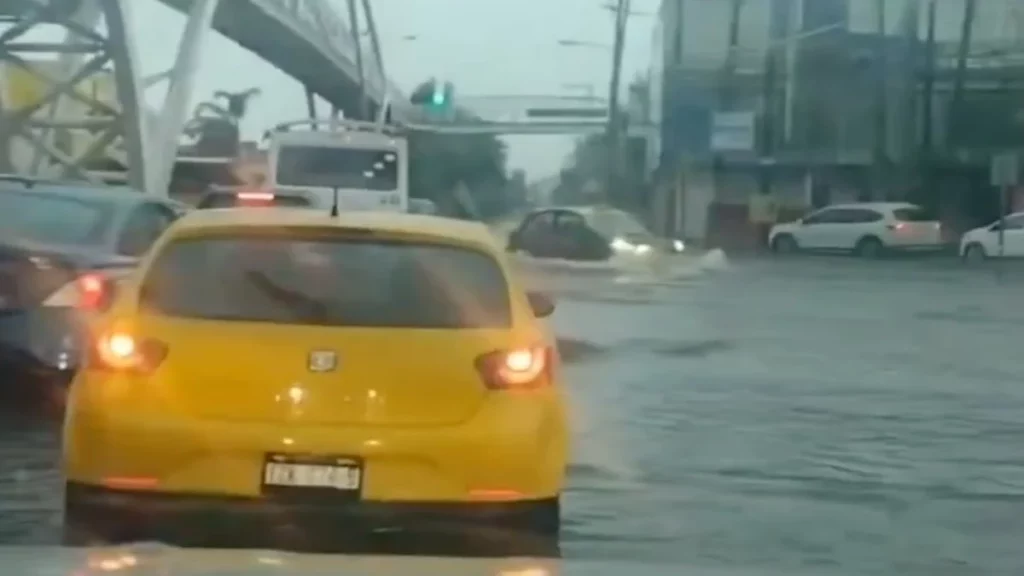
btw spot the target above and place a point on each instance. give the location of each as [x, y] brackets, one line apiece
[587, 167]
[440, 163]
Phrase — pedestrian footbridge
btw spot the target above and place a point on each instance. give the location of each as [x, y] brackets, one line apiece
[311, 40]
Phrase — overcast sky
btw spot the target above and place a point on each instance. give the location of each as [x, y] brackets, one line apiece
[483, 46]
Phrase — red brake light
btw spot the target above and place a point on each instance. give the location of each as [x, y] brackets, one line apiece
[256, 196]
[521, 368]
[119, 350]
[252, 199]
[93, 291]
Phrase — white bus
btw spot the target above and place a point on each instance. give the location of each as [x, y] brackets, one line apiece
[366, 165]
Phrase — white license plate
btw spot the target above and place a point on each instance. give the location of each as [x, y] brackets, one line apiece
[338, 477]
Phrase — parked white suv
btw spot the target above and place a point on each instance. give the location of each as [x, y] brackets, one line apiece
[982, 243]
[867, 229]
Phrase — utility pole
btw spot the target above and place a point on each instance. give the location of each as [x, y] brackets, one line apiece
[881, 144]
[966, 37]
[613, 129]
[727, 87]
[928, 103]
[353, 17]
[768, 117]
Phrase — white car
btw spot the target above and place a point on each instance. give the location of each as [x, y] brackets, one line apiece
[982, 243]
[867, 229]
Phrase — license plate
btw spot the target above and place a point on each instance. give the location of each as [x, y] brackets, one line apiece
[334, 473]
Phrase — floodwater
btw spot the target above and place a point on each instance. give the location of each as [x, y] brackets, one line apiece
[829, 415]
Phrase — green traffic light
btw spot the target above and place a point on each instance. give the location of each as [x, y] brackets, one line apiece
[438, 98]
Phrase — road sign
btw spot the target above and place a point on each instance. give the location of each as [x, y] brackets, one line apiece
[733, 131]
[562, 113]
[1005, 169]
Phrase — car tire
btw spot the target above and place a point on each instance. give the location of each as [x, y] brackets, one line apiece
[869, 247]
[547, 519]
[76, 534]
[80, 525]
[975, 253]
[785, 244]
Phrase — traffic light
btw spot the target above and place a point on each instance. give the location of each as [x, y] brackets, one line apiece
[438, 97]
[434, 96]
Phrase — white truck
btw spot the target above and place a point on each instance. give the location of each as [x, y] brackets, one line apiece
[365, 164]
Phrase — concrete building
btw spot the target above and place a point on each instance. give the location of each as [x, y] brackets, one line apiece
[822, 100]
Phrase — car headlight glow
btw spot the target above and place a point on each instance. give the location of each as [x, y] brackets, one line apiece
[620, 245]
[678, 245]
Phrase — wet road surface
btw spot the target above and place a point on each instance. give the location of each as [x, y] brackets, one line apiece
[837, 415]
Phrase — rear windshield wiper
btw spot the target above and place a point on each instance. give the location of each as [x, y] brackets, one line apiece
[299, 303]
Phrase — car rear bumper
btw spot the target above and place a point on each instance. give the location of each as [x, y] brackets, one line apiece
[38, 354]
[95, 514]
[514, 448]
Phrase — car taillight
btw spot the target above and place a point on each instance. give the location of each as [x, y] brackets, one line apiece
[520, 368]
[93, 292]
[121, 351]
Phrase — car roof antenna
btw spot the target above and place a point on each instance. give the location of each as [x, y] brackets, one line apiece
[334, 202]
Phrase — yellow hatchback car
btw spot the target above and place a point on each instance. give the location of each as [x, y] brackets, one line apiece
[374, 371]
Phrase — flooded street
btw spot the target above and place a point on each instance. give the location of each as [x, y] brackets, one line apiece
[827, 414]
[864, 418]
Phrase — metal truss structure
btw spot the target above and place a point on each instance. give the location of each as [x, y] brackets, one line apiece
[69, 129]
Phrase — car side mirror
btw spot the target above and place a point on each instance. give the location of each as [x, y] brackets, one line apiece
[541, 304]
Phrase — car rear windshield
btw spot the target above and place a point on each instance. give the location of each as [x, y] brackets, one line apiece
[239, 200]
[913, 215]
[41, 216]
[333, 282]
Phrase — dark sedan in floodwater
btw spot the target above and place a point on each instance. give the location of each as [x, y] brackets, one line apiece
[587, 233]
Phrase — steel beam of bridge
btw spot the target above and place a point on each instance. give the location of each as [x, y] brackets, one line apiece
[524, 107]
[310, 40]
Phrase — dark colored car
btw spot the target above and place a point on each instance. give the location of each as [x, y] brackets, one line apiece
[560, 233]
[62, 249]
[587, 234]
